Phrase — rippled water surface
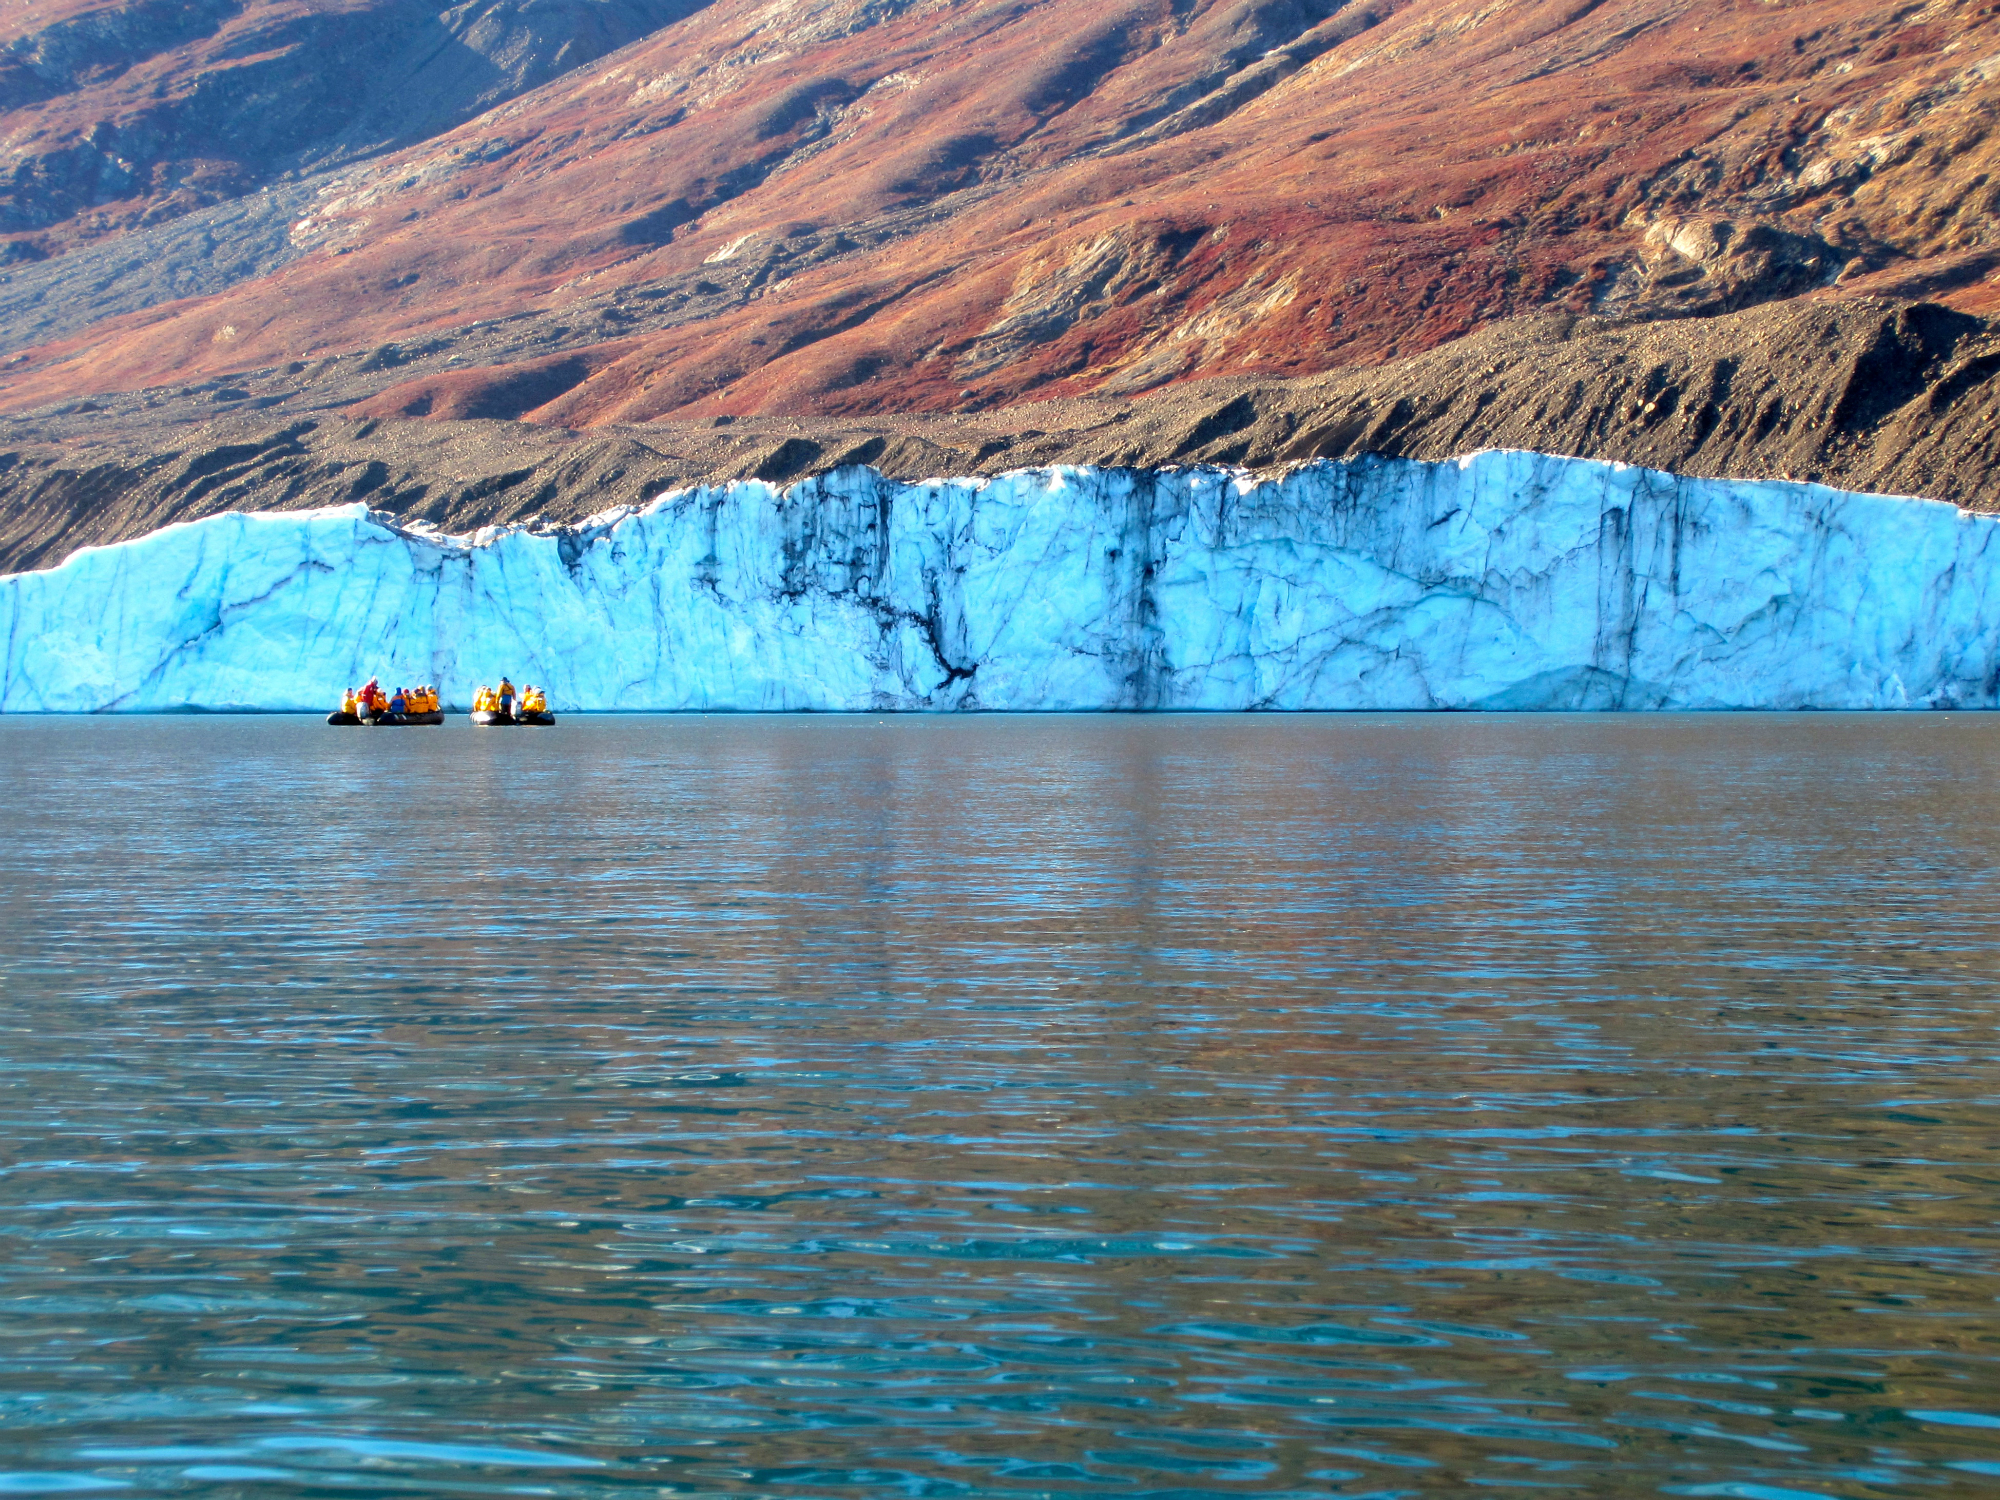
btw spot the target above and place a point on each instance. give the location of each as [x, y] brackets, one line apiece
[1001, 1107]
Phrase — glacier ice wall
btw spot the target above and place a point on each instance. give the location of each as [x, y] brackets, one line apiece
[1502, 580]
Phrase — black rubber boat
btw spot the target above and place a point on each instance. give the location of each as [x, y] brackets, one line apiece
[488, 719]
[384, 721]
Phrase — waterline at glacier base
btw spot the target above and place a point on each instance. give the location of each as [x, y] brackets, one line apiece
[1499, 581]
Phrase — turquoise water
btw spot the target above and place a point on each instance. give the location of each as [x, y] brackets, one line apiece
[1001, 1107]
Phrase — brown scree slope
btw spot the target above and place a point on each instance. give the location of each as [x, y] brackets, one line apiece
[930, 204]
[1861, 393]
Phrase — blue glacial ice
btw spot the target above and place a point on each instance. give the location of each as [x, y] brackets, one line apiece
[1498, 581]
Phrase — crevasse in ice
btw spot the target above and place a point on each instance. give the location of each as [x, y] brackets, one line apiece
[1502, 580]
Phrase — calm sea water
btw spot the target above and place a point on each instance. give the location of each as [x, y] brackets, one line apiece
[1001, 1107]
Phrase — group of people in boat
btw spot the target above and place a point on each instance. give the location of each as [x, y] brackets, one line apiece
[505, 701]
[370, 704]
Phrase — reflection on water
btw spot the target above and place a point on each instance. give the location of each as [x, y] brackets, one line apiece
[1001, 1107]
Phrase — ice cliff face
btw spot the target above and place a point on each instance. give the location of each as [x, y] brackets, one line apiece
[1504, 580]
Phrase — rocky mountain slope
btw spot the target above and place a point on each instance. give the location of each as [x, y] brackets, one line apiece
[121, 116]
[832, 221]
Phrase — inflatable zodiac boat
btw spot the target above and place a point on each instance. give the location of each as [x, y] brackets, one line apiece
[501, 707]
[370, 706]
[383, 720]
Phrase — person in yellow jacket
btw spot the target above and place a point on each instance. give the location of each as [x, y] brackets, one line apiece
[350, 703]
